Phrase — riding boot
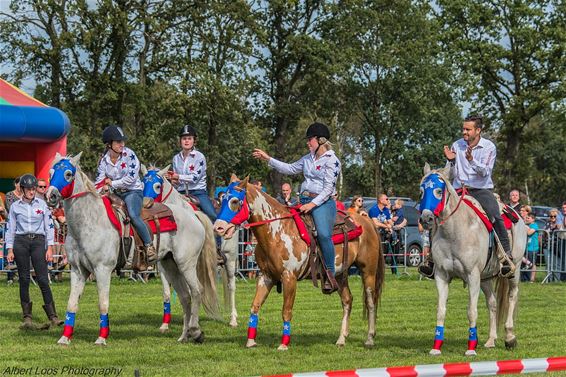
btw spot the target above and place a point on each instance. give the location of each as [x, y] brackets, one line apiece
[507, 267]
[52, 314]
[220, 257]
[27, 324]
[426, 268]
[150, 253]
[329, 285]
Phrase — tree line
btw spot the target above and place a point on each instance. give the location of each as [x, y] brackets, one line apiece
[389, 77]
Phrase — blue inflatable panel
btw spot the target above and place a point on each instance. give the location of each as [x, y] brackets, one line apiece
[32, 124]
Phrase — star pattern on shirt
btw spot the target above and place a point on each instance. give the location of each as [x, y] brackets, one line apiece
[51, 226]
[124, 154]
[201, 163]
[191, 167]
[132, 173]
[286, 327]
[318, 167]
[132, 166]
[39, 212]
[123, 165]
[132, 157]
[336, 164]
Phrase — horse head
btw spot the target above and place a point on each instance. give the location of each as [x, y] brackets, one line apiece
[234, 209]
[62, 178]
[153, 182]
[433, 195]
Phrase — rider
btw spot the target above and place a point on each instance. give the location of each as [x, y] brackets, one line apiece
[119, 168]
[189, 171]
[473, 158]
[320, 168]
[30, 236]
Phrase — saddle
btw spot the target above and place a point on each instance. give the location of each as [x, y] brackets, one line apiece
[345, 230]
[157, 217]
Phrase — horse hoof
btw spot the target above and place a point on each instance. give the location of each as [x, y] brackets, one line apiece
[510, 344]
[471, 353]
[200, 339]
[164, 328]
[434, 352]
[100, 341]
[183, 339]
[282, 347]
[64, 341]
[251, 343]
[490, 343]
[369, 343]
[341, 342]
[233, 323]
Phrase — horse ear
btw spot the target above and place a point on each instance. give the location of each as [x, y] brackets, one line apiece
[164, 170]
[143, 169]
[234, 178]
[426, 168]
[75, 160]
[244, 182]
[57, 158]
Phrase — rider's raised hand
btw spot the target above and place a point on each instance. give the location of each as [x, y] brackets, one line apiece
[450, 155]
[260, 155]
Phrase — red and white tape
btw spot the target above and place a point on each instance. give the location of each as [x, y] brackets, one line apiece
[481, 368]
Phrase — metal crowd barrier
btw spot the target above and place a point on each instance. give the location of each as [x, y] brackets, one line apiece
[554, 250]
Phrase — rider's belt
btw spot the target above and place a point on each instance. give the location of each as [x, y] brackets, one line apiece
[31, 236]
[309, 194]
[121, 191]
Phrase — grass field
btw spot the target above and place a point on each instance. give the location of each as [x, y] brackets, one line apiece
[405, 327]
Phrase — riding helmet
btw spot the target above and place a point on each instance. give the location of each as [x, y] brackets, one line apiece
[113, 133]
[28, 181]
[188, 131]
[318, 130]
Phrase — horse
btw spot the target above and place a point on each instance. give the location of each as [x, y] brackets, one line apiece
[187, 256]
[283, 256]
[460, 242]
[154, 187]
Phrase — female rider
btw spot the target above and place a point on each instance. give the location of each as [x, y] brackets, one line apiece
[321, 168]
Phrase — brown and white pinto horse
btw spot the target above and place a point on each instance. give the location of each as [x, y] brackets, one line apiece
[283, 256]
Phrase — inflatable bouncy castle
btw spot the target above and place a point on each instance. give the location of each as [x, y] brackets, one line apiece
[30, 135]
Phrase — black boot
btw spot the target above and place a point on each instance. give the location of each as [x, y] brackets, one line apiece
[426, 268]
[27, 324]
[52, 314]
[507, 268]
[329, 285]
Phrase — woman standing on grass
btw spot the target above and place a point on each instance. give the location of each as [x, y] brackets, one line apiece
[30, 236]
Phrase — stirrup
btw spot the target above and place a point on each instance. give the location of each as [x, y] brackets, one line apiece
[427, 270]
[506, 267]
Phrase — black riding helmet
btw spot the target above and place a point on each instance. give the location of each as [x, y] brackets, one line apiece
[188, 131]
[28, 181]
[318, 130]
[113, 133]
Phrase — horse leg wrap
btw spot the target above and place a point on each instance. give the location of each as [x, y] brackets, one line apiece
[166, 312]
[473, 339]
[252, 327]
[286, 337]
[438, 338]
[104, 326]
[69, 324]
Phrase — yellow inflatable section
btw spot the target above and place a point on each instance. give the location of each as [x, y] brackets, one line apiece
[13, 169]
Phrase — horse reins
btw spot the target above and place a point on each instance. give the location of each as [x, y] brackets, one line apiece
[258, 223]
[464, 192]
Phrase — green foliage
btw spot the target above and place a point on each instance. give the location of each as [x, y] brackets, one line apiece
[405, 331]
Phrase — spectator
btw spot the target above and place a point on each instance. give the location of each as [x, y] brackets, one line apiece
[380, 215]
[425, 234]
[30, 236]
[524, 211]
[398, 215]
[561, 219]
[549, 238]
[532, 243]
[357, 205]
[286, 196]
[14, 195]
[257, 183]
[59, 252]
[41, 188]
[514, 200]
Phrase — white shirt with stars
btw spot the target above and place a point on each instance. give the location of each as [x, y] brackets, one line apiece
[191, 170]
[320, 174]
[30, 218]
[124, 173]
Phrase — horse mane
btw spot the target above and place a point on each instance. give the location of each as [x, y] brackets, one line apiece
[89, 185]
[274, 203]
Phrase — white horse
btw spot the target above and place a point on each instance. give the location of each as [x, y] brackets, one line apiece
[187, 256]
[460, 243]
[160, 189]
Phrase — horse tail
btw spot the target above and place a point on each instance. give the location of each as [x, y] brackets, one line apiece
[206, 268]
[379, 273]
[502, 292]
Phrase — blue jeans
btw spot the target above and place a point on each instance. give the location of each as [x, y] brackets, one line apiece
[324, 216]
[134, 202]
[205, 203]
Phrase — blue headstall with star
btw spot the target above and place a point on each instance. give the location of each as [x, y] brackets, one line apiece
[152, 185]
[432, 193]
[62, 177]
[234, 207]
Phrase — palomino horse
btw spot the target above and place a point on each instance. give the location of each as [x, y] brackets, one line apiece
[283, 257]
[154, 188]
[460, 242]
[188, 255]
